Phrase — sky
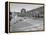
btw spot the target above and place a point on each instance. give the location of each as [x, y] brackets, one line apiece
[17, 7]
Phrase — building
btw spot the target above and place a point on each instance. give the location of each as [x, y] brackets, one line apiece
[38, 12]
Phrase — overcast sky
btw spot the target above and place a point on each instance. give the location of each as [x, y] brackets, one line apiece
[17, 7]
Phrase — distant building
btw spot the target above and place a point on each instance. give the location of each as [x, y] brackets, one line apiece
[23, 13]
[23, 10]
[38, 12]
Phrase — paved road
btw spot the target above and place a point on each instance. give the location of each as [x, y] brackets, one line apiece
[28, 24]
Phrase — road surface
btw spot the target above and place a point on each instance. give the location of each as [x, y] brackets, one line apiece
[27, 24]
